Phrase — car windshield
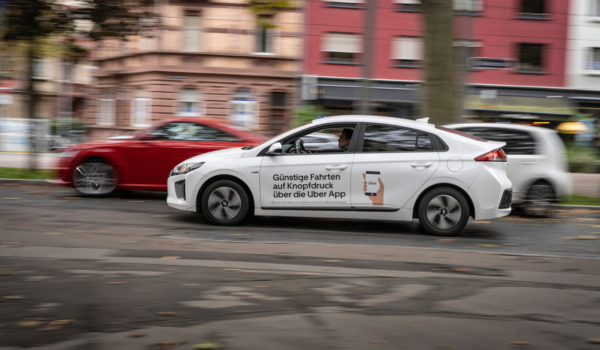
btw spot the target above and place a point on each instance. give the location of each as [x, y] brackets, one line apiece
[277, 136]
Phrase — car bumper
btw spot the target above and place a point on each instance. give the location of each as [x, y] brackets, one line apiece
[487, 191]
[182, 191]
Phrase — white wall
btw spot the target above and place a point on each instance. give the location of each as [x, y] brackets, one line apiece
[584, 34]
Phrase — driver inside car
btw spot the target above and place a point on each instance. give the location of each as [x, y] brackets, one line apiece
[343, 142]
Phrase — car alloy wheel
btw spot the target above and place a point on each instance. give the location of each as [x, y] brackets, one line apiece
[95, 178]
[539, 199]
[443, 211]
[225, 203]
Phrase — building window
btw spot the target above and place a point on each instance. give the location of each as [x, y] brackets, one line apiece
[140, 110]
[278, 99]
[106, 111]
[460, 6]
[265, 39]
[466, 49]
[189, 103]
[342, 47]
[243, 109]
[594, 59]
[407, 52]
[345, 3]
[530, 57]
[191, 31]
[40, 69]
[67, 71]
[533, 9]
[595, 10]
[408, 5]
[467, 6]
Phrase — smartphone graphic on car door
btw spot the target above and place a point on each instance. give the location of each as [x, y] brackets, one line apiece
[372, 180]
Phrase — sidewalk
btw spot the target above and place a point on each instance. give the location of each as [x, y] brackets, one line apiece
[21, 160]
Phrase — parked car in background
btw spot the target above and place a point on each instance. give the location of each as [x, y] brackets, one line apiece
[143, 162]
[537, 163]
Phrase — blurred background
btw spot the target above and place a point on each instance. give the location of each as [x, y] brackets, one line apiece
[72, 71]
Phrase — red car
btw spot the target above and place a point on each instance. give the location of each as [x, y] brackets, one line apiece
[143, 162]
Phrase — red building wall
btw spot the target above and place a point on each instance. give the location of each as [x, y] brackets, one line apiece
[497, 28]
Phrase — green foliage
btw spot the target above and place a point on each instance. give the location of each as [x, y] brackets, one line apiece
[577, 199]
[264, 9]
[60, 125]
[305, 114]
[582, 159]
[16, 173]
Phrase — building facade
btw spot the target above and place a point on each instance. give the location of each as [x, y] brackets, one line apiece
[514, 57]
[583, 69]
[205, 59]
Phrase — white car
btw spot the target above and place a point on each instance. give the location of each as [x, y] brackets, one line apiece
[537, 163]
[394, 169]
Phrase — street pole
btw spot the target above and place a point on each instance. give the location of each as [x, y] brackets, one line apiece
[467, 6]
[368, 44]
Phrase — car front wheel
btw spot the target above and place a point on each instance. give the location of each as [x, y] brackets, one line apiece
[95, 178]
[443, 212]
[225, 203]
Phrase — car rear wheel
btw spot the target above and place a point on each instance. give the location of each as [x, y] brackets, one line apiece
[443, 212]
[95, 178]
[538, 199]
[225, 203]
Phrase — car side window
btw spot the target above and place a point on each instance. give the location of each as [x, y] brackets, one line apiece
[187, 131]
[387, 138]
[517, 141]
[324, 140]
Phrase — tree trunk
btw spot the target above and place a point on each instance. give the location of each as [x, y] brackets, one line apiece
[439, 97]
[31, 103]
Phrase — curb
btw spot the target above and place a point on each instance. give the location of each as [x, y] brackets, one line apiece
[27, 182]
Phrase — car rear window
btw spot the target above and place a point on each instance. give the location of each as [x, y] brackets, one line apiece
[463, 134]
[517, 141]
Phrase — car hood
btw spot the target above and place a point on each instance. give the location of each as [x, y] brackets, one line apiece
[99, 143]
[236, 152]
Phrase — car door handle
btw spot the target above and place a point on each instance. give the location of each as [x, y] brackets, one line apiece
[336, 167]
[528, 163]
[418, 165]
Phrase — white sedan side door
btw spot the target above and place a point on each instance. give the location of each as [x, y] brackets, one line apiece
[394, 164]
[306, 181]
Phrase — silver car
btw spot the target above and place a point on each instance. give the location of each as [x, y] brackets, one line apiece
[537, 163]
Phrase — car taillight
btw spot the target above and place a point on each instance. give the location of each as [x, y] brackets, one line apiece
[496, 155]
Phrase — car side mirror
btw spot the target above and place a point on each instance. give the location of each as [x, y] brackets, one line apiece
[275, 149]
[147, 137]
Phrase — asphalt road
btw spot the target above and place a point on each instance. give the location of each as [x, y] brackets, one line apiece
[568, 233]
[128, 272]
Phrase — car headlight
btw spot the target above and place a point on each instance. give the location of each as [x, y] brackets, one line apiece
[185, 168]
[68, 154]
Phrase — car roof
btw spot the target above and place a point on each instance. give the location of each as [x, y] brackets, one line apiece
[374, 119]
[529, 128]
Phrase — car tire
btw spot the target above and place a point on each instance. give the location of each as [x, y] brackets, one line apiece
[539, 199]
[225, 202]
[443, 211]
[95, 178]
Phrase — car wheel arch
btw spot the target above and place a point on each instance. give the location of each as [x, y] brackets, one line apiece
[224, 177]
[438, 185]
